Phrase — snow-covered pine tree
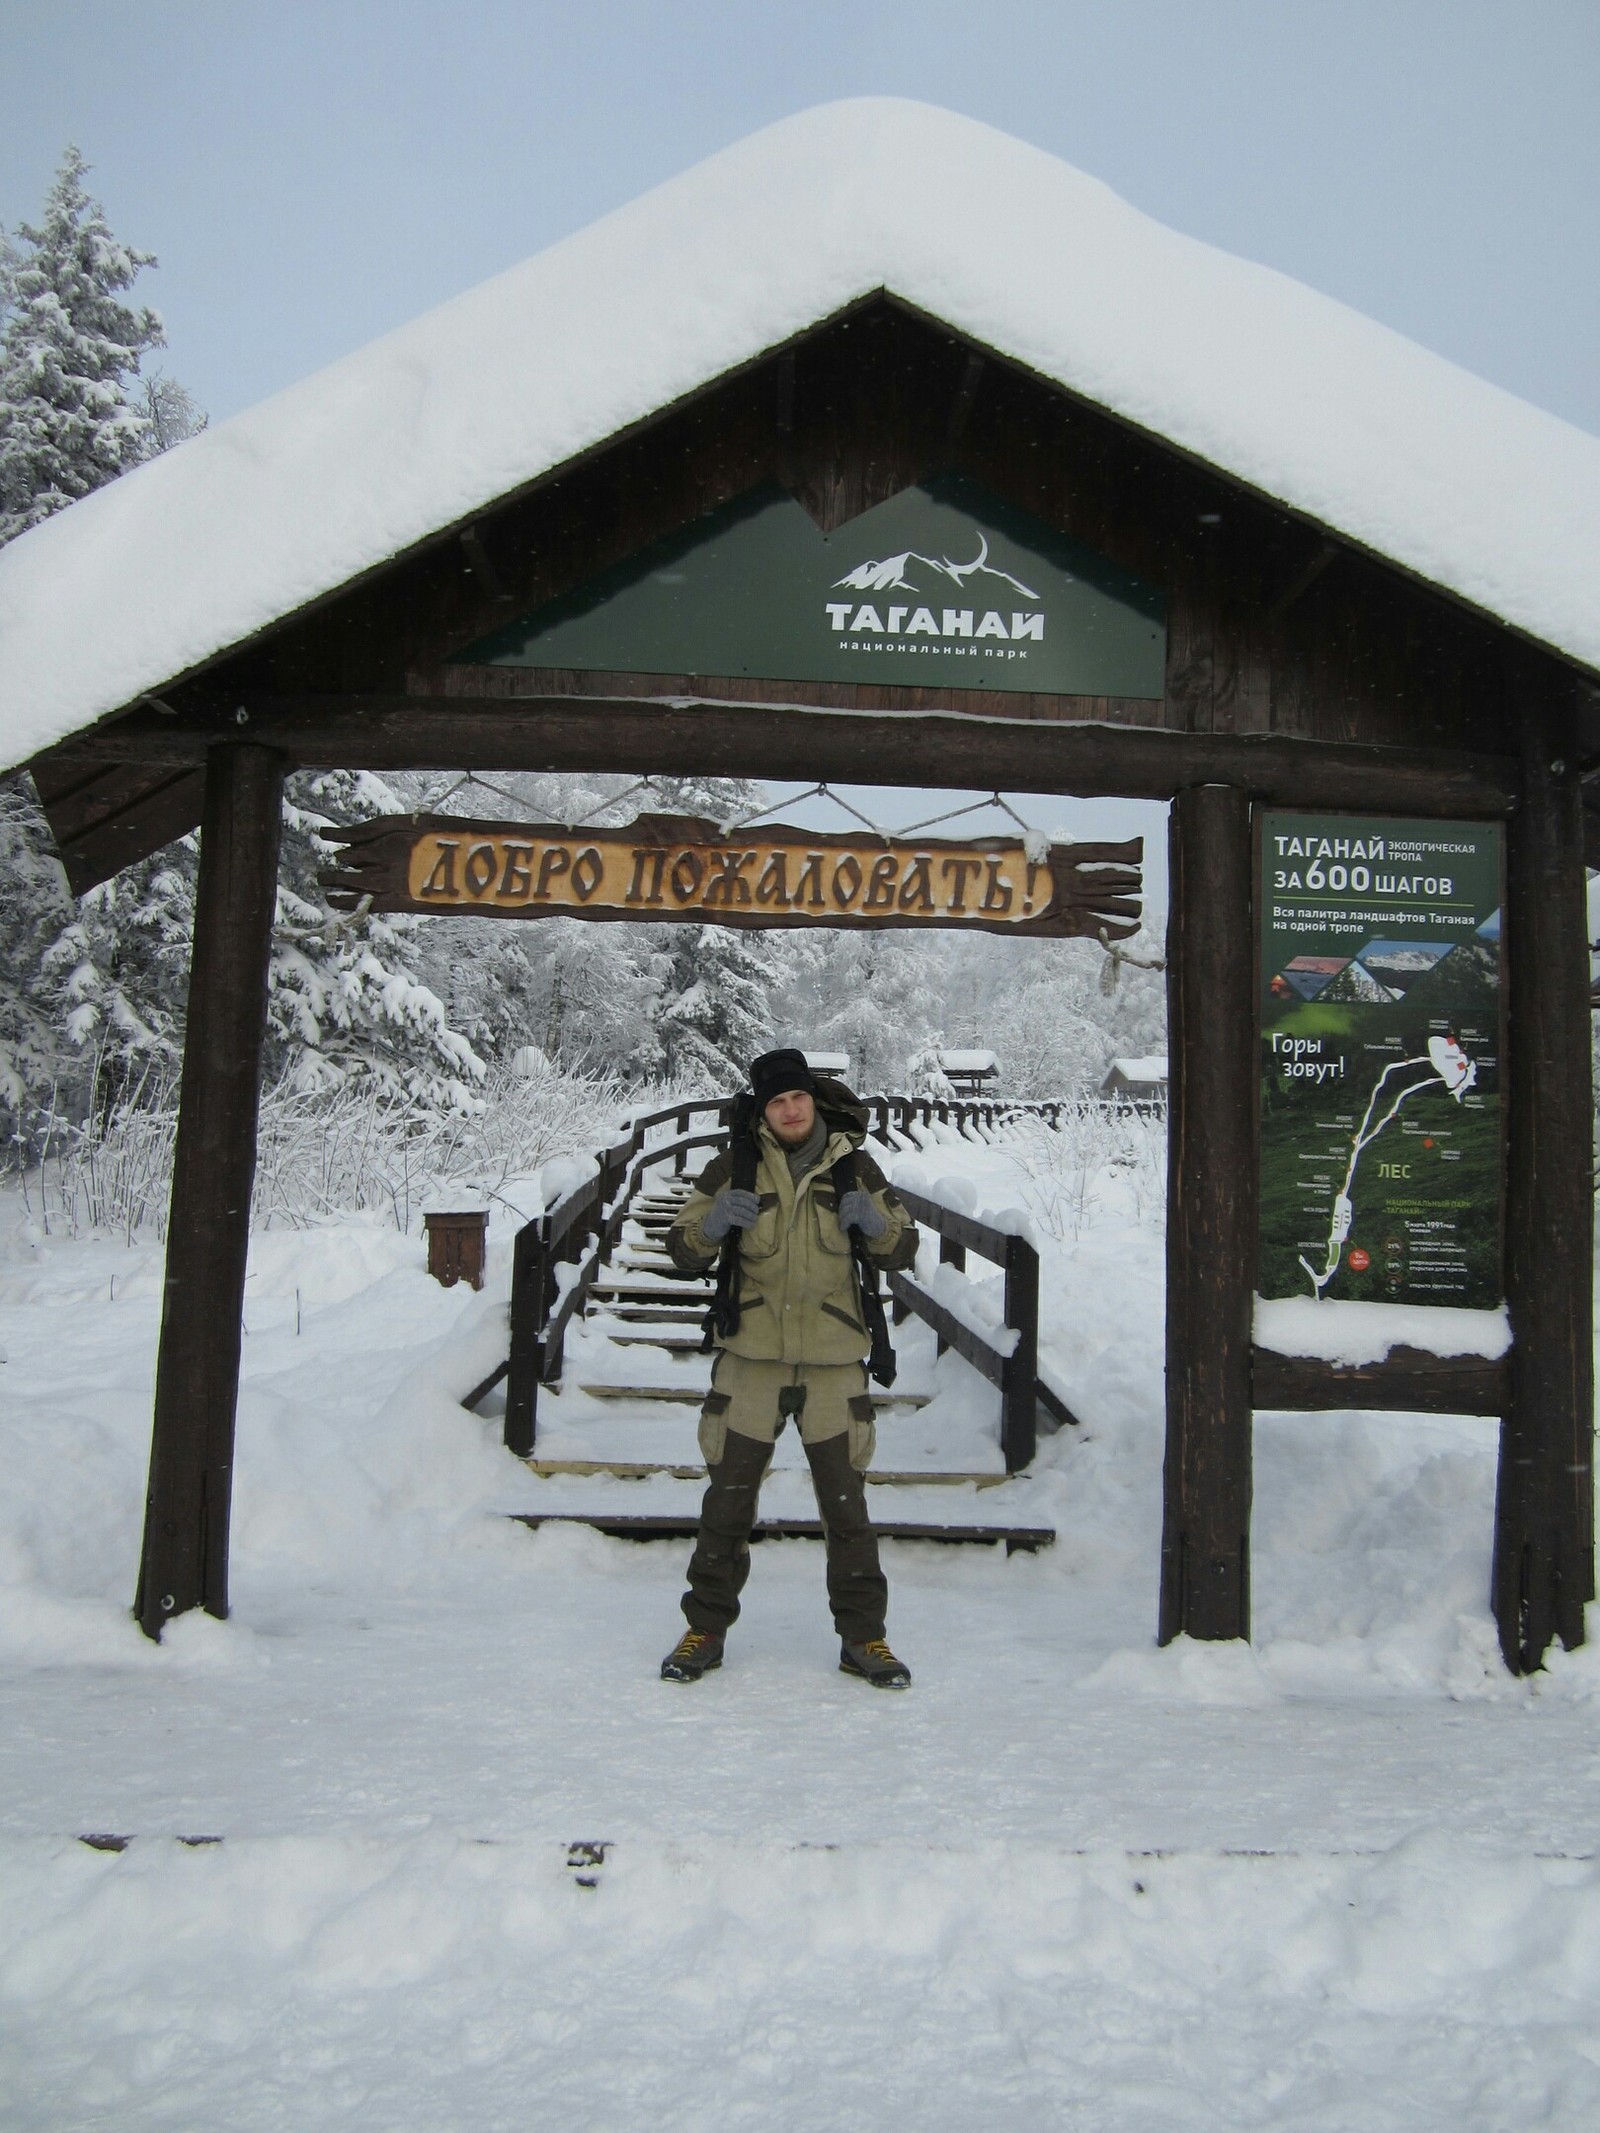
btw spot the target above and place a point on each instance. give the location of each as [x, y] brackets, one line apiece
[346, 993]
[720, 985]
[69, 358]
[34, 907]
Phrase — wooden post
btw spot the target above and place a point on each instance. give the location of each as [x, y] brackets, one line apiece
[1211, 1219]
[184, 1560]
[1019, 1411]
[529, 1263]
[952, 1254]
[1544, 1507]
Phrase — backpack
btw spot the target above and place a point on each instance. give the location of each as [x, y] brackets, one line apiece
[722, 1320]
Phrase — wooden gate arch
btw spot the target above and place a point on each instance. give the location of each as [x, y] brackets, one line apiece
[1153, 624]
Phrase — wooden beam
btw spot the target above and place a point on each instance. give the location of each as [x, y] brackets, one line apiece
[710, 736]
[184, 1562]
[966, 393]
[1303, 580]
[481, 567]
[1406, 1381]
[1211, 1219]
[1544, 1509]
[117, 814]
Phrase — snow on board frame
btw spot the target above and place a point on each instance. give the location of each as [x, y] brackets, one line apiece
[944, 584]
[679, 867]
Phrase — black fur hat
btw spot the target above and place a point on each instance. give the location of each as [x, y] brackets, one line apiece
[775, 1073]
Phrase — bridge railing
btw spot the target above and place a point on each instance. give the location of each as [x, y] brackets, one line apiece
[579, 1233]
[1007, 1355]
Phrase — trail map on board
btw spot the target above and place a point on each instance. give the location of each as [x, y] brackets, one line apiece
[1380, 1059]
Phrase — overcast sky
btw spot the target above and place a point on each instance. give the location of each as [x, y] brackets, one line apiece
[313, 172]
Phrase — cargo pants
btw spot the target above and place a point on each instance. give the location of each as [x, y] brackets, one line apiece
[743, 1415]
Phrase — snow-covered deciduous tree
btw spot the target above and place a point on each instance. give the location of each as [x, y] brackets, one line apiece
[171, 410]
[70, 418]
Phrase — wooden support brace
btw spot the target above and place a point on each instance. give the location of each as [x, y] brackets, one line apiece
[1211, 1220]
[184, 1559]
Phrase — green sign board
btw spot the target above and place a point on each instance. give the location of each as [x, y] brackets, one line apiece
[944, 586]
[1380, 1000]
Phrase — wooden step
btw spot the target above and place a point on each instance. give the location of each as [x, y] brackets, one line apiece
[674, 1343]
[645, 1469]
[669, 1292]
[666, 1314]
[696, 1393]
[645, 1526]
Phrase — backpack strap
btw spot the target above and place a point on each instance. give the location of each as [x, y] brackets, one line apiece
[722, 1320]
[881, 1365]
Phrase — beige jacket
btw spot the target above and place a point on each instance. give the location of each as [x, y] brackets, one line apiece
[798, 1295]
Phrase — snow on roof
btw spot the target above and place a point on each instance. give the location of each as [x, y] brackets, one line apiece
[968, 1062]
[1340, 418]
[1151, 1069]
[828, 1062]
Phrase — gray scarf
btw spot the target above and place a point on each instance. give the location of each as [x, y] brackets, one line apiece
[809, 1153]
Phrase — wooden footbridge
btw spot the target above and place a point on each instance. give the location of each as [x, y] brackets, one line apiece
[606, 1368]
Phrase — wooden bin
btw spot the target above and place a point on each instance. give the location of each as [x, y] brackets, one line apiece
[457, 1246]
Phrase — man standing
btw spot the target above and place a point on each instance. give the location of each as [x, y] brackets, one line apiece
[791, 1345]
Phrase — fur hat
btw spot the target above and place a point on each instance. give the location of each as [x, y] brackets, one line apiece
[775, 1073]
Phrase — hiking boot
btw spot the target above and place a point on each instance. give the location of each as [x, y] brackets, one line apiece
[696, 1652]
[874, 1662]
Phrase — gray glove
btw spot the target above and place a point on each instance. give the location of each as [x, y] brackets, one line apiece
[856, 1211]
[731, 1209]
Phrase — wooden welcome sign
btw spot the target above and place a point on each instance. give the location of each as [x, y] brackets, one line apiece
[678, 867]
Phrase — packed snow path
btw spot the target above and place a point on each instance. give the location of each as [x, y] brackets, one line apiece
[1343, 1877]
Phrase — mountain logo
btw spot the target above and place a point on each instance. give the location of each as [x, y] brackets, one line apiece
[858, 626]
[889, 574]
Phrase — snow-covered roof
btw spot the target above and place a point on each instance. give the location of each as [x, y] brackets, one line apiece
[968, 1062]
[828, 1062]
[1151, 1069]
[1338, 417]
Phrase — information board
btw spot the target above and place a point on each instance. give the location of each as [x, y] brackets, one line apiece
[1381, 1131]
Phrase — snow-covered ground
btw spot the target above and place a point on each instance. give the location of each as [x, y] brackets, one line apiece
[1345, 1878]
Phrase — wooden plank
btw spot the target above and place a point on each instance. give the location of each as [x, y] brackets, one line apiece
[184, 1559]
[1544, 1532]
[1407, 1381]
[1211, 1220]
[643, 1526]
[388, 731]
[962, 1230]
